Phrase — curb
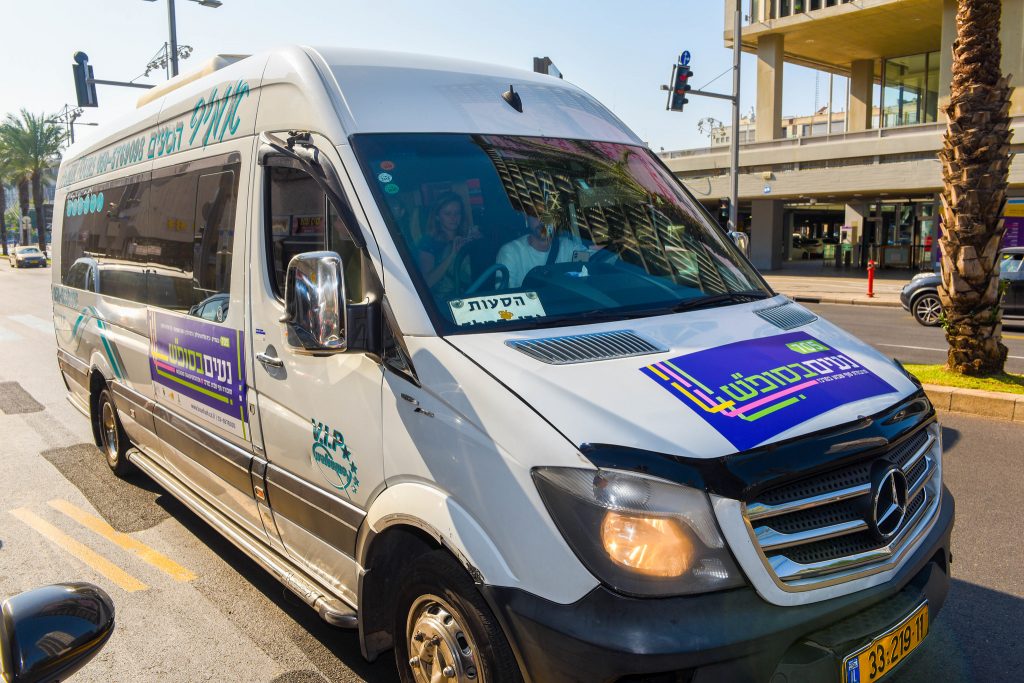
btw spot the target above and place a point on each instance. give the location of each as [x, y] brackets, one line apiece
[861, 301]
[993, 404]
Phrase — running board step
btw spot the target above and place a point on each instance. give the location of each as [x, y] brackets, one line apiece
[330, 609]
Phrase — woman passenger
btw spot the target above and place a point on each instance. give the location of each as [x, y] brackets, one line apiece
[438, 251]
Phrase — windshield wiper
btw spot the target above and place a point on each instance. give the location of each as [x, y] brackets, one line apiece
[715, 299]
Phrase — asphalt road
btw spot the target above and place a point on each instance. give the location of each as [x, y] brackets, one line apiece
[895, 333]
[207, 613]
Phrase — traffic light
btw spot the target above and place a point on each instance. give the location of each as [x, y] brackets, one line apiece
[723, 211]
[680, 86]
[85, 89]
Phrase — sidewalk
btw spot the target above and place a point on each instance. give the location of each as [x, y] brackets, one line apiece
[814, 283]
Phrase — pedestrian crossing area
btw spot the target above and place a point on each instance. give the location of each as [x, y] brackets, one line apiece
[112, 557]
[25, 326]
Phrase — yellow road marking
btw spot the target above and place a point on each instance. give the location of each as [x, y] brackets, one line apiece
[1014, 336]
[91, 558]
[132, 545]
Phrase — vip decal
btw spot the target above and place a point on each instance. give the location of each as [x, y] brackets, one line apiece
[333, 458]
[752, 390]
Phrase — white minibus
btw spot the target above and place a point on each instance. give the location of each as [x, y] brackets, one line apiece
[449, 352]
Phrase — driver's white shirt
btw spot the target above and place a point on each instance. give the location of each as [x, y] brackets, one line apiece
[520, 258]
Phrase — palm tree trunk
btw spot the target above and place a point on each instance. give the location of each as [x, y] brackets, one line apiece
[975, 163]
[3, 217]
[23, 204]
[37, 195]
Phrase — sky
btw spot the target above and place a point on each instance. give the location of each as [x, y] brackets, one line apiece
[619, 56]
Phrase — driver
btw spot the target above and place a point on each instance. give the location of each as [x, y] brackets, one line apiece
[533, 249]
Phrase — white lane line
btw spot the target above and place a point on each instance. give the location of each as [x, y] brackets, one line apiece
[8, 336]
[35, 322]
[926, 348]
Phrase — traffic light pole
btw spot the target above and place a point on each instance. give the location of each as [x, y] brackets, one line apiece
[734, 171]
[681, 89]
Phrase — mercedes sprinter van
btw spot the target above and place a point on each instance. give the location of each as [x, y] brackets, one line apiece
[447, 350]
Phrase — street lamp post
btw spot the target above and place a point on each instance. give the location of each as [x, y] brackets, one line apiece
[173, 48]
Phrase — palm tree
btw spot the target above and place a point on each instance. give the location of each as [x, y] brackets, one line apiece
[975, 163]
[3, 210]
[33, 143]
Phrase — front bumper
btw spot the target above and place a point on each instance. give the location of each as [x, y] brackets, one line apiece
[905, 298]
[727, 636]
[31, 263]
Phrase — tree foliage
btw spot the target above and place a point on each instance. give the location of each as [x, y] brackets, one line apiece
[31, 145]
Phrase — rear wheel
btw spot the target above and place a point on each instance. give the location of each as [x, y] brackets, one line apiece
[113, 440]
[927, 309]
[444, 631]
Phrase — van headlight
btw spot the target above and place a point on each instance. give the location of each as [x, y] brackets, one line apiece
[639, 535]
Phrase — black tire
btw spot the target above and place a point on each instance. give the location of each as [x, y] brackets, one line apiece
[437, 599]
[927, 309]
[114, 441]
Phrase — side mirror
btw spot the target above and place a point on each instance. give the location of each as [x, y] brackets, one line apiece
[741, 240]
[314, 300]
[49, 633]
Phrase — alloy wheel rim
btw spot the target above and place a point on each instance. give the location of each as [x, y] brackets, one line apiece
[441, 649]
[929, 309]
[108, 427]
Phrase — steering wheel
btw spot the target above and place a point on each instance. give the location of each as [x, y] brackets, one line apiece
[488, 276]
[603, 255]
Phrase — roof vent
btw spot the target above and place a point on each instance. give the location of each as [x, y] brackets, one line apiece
[584, 348]
[787, 315]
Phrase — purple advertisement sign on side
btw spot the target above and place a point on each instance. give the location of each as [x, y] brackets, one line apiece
[199, 366]
[1014, 236]
[752, 390]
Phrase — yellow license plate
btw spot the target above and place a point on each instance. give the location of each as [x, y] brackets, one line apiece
[887, 650]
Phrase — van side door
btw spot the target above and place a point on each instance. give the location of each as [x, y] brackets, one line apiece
[320, 414]
[194, 245]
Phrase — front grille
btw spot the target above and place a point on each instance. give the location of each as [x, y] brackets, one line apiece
[583, 348]
[818, 529]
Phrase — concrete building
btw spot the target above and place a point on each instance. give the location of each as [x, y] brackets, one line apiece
[873, 182]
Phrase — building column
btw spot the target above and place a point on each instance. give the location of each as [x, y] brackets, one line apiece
[862, 87]
[1011, 36]
[856, 213]
[767, 232]
[769, 87]
[946, 55]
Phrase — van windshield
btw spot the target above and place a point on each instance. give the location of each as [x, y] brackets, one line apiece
[505, 232]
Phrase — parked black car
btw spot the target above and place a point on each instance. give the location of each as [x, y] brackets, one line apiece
[920, 296]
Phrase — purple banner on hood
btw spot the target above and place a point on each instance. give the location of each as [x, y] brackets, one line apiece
[199, 366]
[752, 390]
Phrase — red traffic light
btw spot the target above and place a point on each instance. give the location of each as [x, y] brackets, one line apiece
[680, 86]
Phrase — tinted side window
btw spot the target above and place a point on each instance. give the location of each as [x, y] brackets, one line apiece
[191, 235]
[300, 221]
[168, 241]
[214, 232]
[297, 221]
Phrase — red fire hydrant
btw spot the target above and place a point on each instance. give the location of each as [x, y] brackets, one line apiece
[871, 279]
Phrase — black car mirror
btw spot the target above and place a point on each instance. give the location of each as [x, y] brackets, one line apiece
[49, 633]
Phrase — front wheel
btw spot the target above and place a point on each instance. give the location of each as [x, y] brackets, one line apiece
[927, 309]
[113, 440]
[444, 631]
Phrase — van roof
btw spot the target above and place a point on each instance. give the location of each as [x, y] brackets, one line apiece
[367, 91]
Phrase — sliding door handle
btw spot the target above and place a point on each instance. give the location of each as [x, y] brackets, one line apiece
[270, 361]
